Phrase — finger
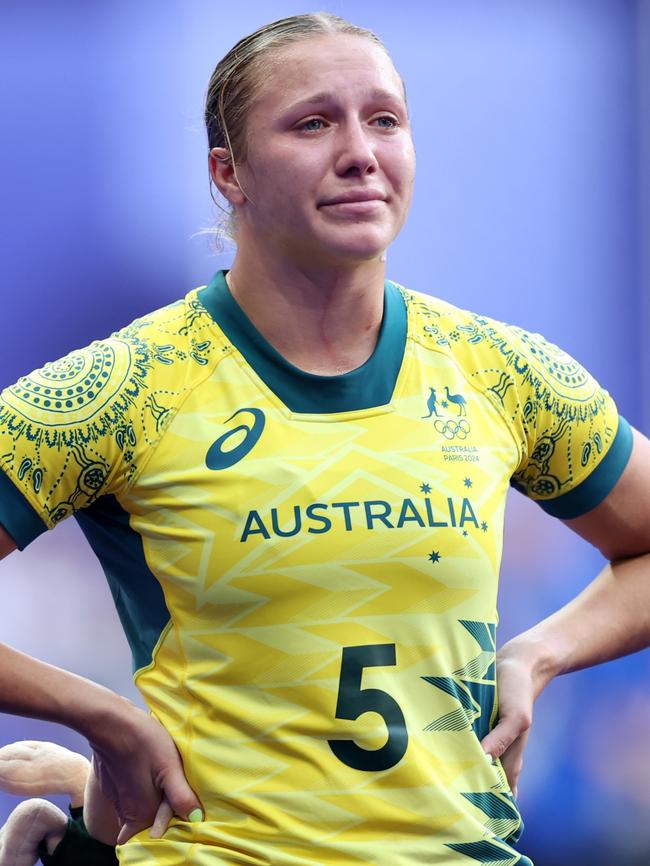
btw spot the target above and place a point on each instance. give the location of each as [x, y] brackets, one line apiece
[162, 819]
[181, 798]
[504, 735]
[127, 830]
[130, 829]
[512, 761]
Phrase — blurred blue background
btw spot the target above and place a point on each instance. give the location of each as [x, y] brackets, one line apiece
[532, 128]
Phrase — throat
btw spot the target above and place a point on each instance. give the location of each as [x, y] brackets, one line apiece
[322, 339]
[327, 352]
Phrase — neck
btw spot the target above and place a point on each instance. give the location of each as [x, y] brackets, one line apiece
[324, 320]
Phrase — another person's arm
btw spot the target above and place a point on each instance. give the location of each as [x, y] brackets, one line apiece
[609, 619]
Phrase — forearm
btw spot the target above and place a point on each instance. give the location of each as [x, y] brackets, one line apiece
[138, 769]
[29, 687]
[610, 618]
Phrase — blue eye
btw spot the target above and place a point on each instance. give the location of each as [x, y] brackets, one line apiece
[314, 124]
[387, 122]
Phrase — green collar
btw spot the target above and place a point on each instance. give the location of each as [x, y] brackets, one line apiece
[368, 386]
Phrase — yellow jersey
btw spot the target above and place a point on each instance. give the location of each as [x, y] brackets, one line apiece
[306, 567]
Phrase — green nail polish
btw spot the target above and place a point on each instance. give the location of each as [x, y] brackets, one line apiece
[195, 816]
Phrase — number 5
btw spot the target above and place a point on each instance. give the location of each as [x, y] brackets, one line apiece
[353, 701]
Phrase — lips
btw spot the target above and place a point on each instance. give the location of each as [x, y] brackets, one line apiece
[355, 197]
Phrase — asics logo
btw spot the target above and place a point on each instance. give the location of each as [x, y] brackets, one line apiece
[219, 457]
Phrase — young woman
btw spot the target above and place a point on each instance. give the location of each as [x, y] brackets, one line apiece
[295, 479]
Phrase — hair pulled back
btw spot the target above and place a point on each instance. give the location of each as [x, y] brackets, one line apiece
[237, 77]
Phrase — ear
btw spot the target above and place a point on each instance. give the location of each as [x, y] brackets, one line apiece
[222, 172]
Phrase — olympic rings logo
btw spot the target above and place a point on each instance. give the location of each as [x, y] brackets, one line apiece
[451, 429]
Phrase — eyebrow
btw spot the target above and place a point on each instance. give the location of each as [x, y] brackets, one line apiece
[329, 96]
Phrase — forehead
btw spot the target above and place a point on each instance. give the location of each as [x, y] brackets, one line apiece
[337, 62]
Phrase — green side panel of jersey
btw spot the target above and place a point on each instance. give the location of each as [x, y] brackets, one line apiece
[137, 594]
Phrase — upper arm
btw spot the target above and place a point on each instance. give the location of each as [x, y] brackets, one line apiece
[7, 544]
[620, 525]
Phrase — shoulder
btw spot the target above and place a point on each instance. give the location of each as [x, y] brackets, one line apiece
[562, 421]
[109, 402]
[91, 388]
[499, 355]
[184, 325]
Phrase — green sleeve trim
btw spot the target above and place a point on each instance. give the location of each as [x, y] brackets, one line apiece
[17, 516]
[591, 492]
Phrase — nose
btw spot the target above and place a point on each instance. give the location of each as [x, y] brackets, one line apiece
[356, 154]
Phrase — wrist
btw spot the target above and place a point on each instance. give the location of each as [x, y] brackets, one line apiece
[110, 721]
[542, 658]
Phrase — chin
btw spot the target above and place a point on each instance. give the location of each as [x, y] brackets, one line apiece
[361, 246]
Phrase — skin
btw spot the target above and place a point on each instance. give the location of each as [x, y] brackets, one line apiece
[328, 122]
[610, 618]
[309, 273]
[31, 823]
[137, 771]
[34, 768]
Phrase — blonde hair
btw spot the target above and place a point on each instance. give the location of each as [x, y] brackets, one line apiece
[237, 77]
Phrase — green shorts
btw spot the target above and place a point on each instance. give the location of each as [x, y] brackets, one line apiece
[78, 848]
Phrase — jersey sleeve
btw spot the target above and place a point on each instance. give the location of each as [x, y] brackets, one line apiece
[573, 444]
[86, 426]
[73, 431]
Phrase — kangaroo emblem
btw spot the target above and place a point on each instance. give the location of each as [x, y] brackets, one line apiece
[431, 405]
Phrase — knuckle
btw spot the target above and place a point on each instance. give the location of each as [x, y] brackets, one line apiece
[499, 745]
[522, 721]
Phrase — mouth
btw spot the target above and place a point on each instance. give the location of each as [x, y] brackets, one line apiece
[358, 197]
[354, 210]
[355, 205]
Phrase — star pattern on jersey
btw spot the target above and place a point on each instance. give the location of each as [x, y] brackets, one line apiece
[465, 533]
[484, 526]
[425, 488]
[468, 482]
[434, 556]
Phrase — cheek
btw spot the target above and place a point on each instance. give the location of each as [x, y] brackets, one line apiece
[407, 165]
[286, 179]
[399, 166]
